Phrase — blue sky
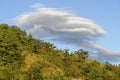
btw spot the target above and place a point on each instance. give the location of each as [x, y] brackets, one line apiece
[105, 13]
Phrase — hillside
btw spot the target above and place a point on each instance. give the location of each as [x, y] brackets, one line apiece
[23, 57]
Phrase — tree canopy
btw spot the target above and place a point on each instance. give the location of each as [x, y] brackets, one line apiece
[23, 57]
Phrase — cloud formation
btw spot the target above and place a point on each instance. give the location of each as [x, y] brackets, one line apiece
[66, 27]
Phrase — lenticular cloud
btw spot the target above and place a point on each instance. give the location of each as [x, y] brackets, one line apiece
[65, 27]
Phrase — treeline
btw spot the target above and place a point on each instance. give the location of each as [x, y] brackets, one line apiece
[23, 57]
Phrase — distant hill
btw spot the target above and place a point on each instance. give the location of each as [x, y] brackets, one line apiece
[23, 57]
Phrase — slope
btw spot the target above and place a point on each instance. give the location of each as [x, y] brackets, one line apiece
[23, 57]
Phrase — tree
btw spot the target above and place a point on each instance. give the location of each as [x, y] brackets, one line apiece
[81, 54]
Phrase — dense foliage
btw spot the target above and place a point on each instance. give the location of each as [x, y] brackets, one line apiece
[23, 57]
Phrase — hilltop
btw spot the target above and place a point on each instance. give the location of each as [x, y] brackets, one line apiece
[23, 57]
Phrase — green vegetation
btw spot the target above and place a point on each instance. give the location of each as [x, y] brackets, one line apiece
[23, 57]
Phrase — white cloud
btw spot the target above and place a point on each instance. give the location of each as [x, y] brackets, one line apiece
[66, 27]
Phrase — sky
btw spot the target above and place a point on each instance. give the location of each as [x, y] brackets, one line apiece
[90, 24]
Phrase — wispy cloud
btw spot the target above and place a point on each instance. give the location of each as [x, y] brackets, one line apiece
[66, 27]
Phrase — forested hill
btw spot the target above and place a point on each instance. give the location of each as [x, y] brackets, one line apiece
[23, 57]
